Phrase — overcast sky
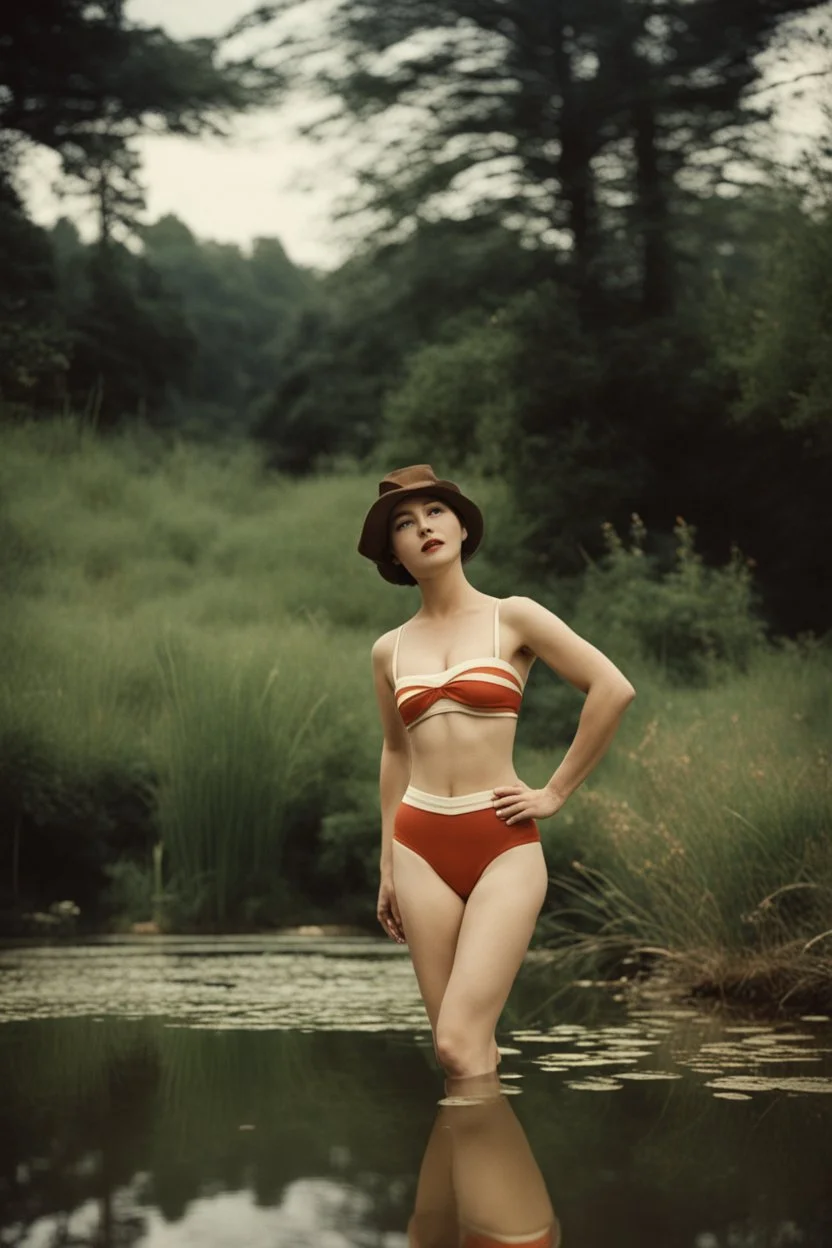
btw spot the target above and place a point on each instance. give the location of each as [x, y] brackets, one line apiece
[266, 181]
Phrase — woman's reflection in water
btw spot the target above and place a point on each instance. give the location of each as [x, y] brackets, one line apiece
[479, 1185]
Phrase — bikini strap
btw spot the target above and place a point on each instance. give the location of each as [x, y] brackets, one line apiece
[496, 628]
[396, 652]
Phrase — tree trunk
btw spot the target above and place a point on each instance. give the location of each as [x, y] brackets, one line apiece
[653, 222]
[574, 167]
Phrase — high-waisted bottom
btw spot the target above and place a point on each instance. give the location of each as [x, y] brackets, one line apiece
[546, 1239]
[458, 836]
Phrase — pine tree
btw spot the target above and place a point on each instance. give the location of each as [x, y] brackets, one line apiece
[579, 122]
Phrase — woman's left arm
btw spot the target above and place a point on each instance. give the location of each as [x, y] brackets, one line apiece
[608, 694]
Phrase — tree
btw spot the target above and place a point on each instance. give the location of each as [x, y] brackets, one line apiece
[79, 78]
[771, 333]
[32, 346]
[130, 347]
[348, 349]
[240, 309]
[584, 118]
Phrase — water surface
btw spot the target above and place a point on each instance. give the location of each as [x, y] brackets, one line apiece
[278, 1091]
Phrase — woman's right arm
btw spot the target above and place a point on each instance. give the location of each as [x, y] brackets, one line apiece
[393, 777]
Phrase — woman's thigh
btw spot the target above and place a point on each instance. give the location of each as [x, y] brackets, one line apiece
[431, 916]
[494, 935]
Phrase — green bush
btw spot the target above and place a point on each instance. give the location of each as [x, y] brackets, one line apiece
[455, 404]
[696, 622]
[129, 894]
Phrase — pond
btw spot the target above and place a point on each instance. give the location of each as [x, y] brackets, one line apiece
[271, 1091]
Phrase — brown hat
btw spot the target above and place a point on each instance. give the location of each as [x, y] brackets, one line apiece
[398, 485]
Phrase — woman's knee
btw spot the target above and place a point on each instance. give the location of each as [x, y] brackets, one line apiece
[460, 1050]
[449, 1049]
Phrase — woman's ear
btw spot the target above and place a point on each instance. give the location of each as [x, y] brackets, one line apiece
[464, 533]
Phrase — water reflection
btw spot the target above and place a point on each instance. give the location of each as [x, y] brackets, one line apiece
[146, 1134]
[295, 1108]
[479, 1184]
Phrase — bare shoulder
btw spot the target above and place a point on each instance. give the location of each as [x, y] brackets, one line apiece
[519, 610]
[382, 656]
[510, 606]
[535, 624]
[382, 651]
[548, 637]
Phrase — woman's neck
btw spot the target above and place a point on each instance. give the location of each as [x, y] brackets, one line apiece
[448, 593]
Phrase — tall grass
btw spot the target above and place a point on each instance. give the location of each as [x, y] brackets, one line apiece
[184, 661]
[245, 743]
[168, 639]
[709, 846]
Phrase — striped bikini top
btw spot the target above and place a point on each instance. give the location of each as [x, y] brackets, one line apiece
[487, 686]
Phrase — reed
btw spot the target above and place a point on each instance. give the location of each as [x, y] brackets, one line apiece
[236, 748]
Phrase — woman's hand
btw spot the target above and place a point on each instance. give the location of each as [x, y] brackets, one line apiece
[387, 910]
[514, 802]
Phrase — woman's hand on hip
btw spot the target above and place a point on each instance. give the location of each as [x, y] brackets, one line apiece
[514, 802]
[387, 910]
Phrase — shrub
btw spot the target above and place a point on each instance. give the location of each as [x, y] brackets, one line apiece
[695, 621]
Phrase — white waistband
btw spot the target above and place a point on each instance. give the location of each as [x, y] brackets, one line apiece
[463, 804]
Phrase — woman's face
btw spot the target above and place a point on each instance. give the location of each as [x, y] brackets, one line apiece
[425, 533]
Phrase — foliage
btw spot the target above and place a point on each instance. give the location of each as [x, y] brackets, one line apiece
[129, 894]
[233, 754]
[153, 589]
[240, 310]
[658, 615]
[455, 403]
[767, 317]
[82, 80]
[129, 344]
[96, 81]
[119, 550]
[32, 349]
[775, 335]
[348, 349]
[597, 118]
[694, 621]
[185, 333]
[712, 835]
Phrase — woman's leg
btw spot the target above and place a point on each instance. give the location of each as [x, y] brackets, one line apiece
[431, 915]
[494, 935]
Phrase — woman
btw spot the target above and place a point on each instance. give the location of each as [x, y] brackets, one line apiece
[463, 876]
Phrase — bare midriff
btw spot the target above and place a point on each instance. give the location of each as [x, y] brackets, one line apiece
[455, 753]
